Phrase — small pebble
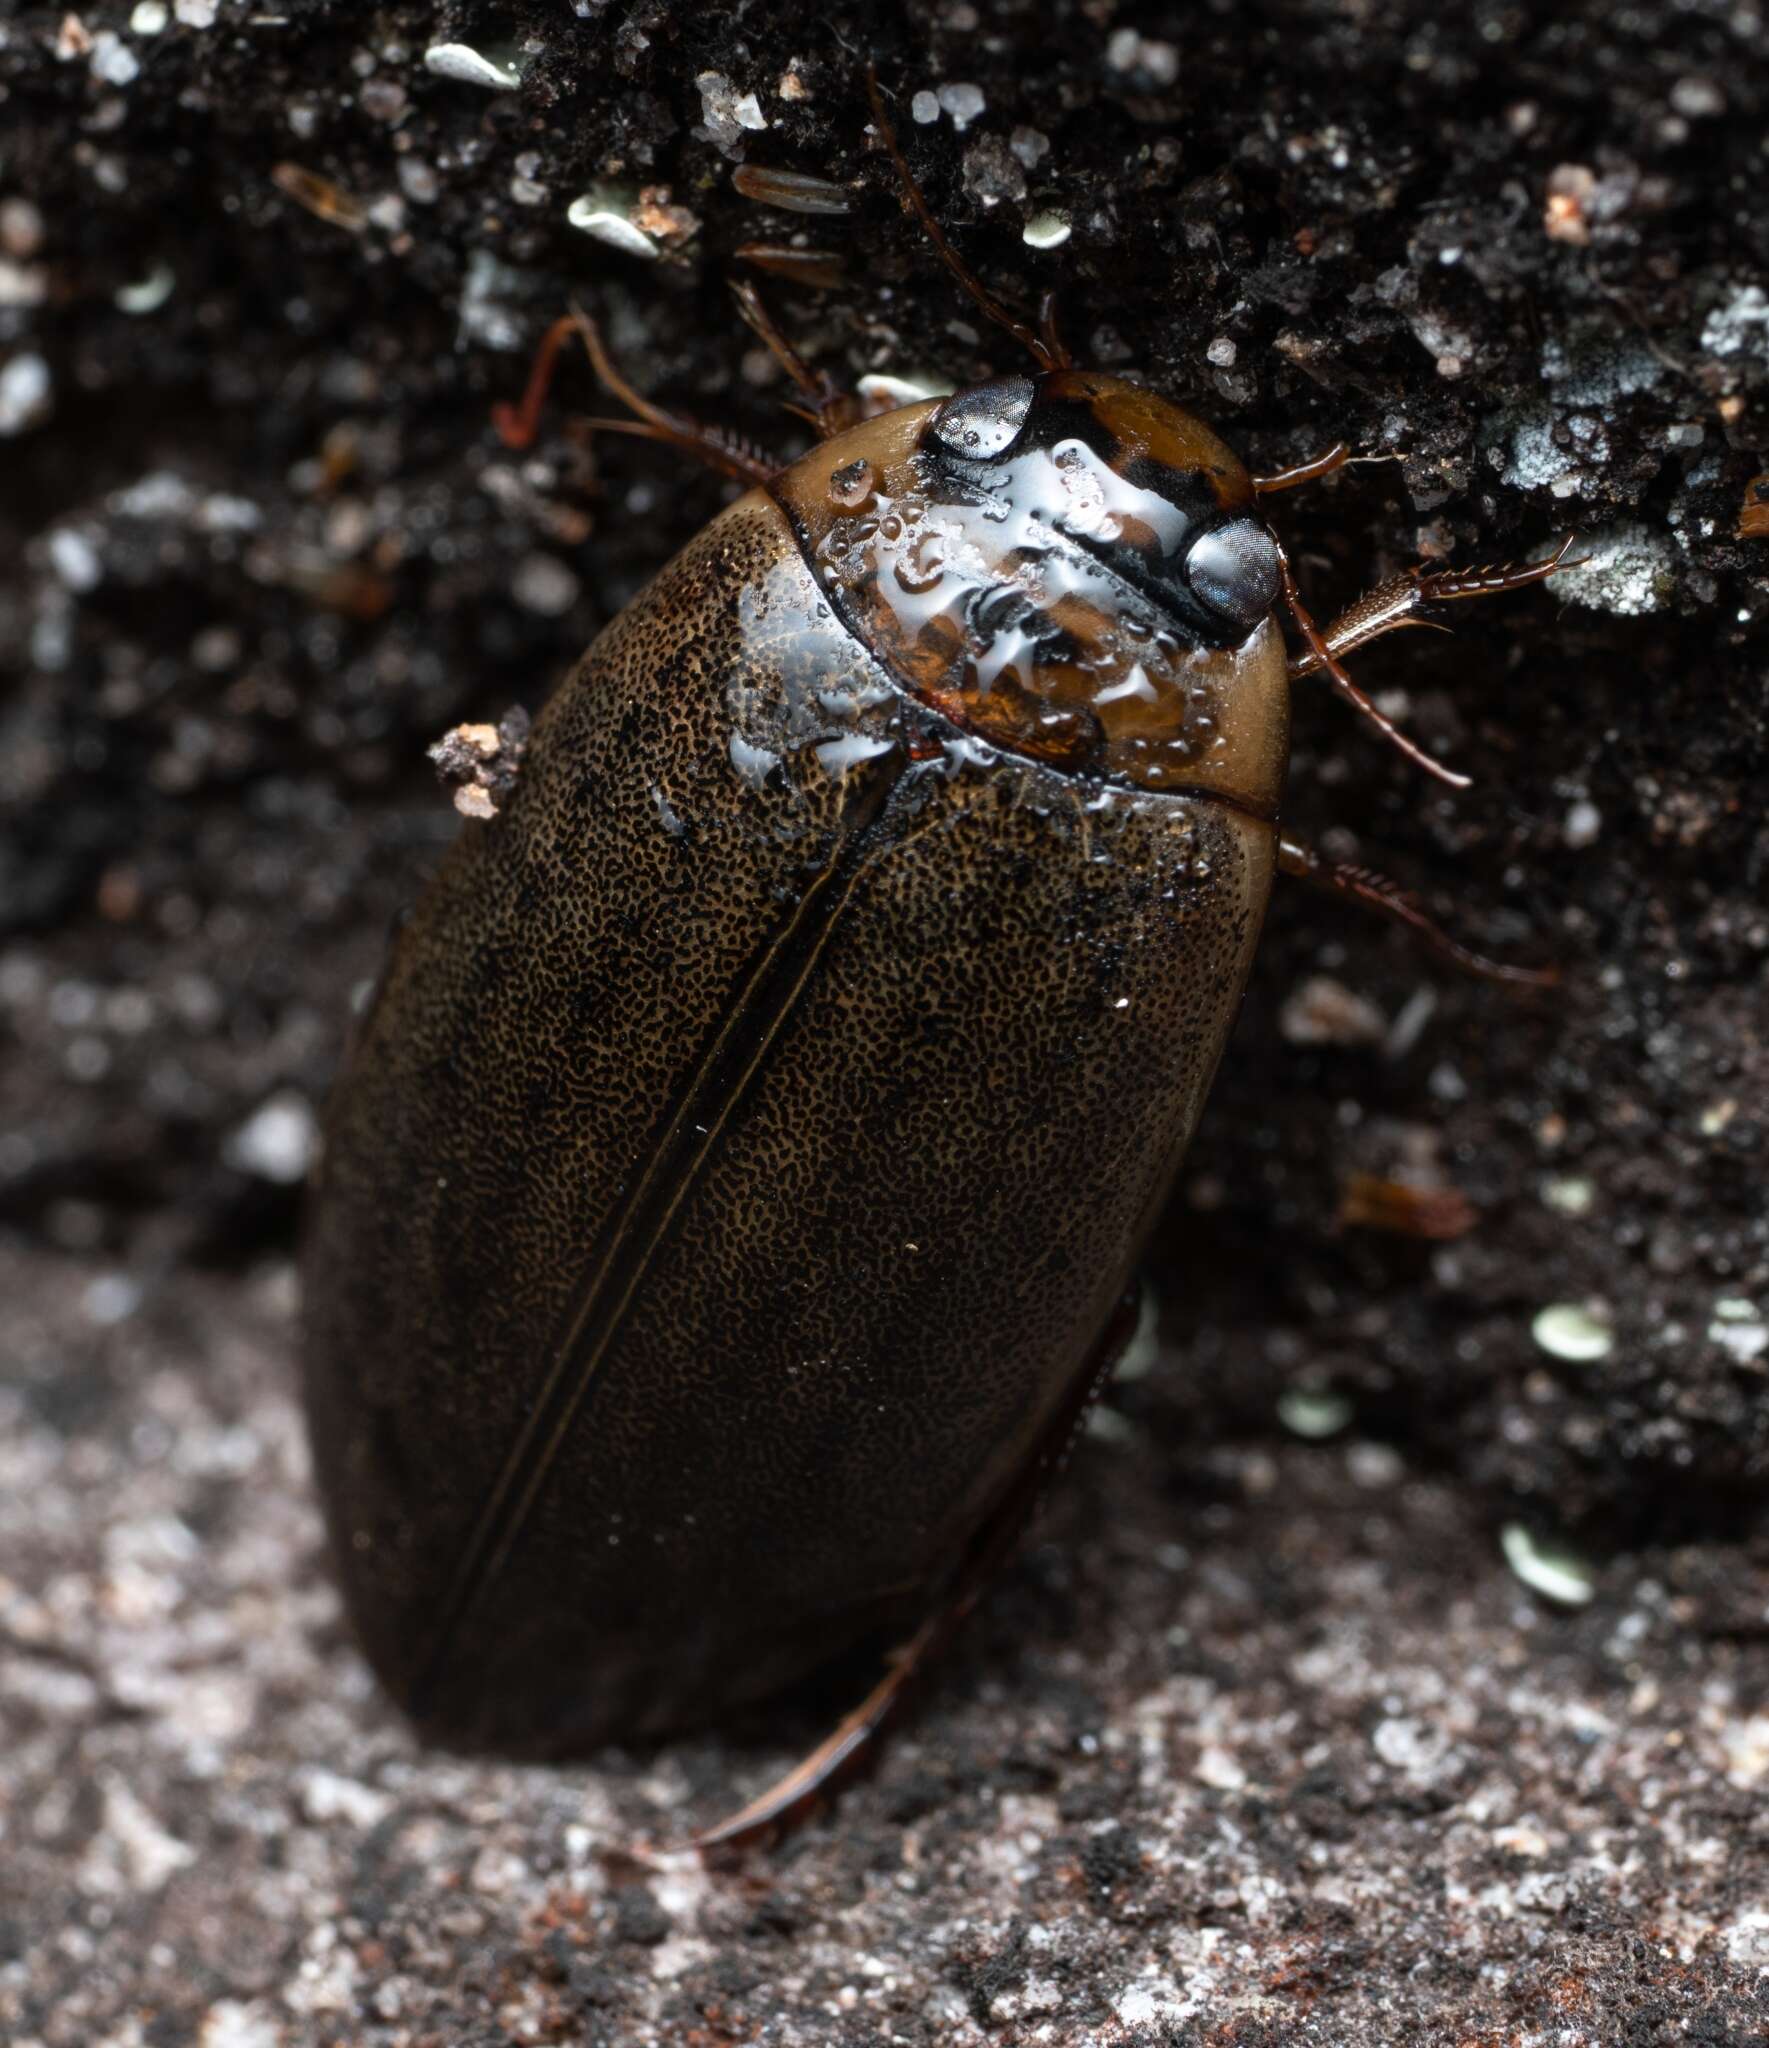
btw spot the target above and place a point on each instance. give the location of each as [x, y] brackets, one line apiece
[278, 1141]
[1047, 230]
[1572, 1196]
[1584, 821]
[1738, 1328]
[1579, 1335]
[1313, 1413]
[962, 104]
[1325, 1012]
[74, 559]
[1546, 1567]
[543, 584]
[24, 394]
[601, 214]
[149, 295]
[110, 1299]
[113, 62]
[468, 66]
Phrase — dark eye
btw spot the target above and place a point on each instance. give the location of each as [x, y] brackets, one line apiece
[984, 421]
[1234, 569]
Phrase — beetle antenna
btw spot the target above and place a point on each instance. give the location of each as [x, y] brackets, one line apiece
[1047, 327]
[1048, 351]
[1329, 666]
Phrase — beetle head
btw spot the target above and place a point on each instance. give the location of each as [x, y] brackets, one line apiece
[1068, 566]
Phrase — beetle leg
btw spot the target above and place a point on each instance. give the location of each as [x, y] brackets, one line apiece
[1324, 659]
[517, 424]
[1407, 600]
[1376, 892]
[854, 1744]
[831, 410]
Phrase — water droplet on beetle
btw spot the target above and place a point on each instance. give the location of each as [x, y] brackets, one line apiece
[922, 566]
[851, 485]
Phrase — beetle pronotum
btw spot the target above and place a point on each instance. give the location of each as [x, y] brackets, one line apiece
[731, 1198]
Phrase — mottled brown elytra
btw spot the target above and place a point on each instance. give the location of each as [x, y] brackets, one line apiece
[734, 1188]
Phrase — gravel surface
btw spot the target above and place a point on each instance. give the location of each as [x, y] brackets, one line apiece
[1393, 1665]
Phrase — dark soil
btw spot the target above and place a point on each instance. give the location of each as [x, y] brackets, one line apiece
[1395, 1664]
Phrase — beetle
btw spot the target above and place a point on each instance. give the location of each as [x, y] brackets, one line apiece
[733, 1193]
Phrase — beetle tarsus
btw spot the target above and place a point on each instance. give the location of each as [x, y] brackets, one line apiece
[1376, 892]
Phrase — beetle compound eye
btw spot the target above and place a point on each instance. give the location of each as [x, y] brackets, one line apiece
[1235, 571]
[985, 421]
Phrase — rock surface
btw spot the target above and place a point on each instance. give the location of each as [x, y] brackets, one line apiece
[1394, 1664]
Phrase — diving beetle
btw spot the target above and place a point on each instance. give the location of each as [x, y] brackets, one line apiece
[734, 1189]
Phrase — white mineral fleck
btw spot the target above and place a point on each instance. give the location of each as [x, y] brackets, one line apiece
[1738, 1328]
[1578, 1334]
[1741, 326]
[604, 214]
[962, 104]
[132, 1850]
[544, 584]
[277, 1142]
[24, 393]
[110, 1299]
[1584, 821]
[1547, 1568]
[460, 61]
[230, 2024]
[148, 295]
[1313, 1413]
[726, 111]
[74, 559]
[113, 62]
[325, 1796]
[1047, 230]
[1628, 569]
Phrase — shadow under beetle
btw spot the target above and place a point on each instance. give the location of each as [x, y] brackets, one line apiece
[731, 1197]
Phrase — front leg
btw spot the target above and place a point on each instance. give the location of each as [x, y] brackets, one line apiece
[1408, 599]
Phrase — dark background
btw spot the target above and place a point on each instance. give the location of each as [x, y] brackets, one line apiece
[1264, 1739]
